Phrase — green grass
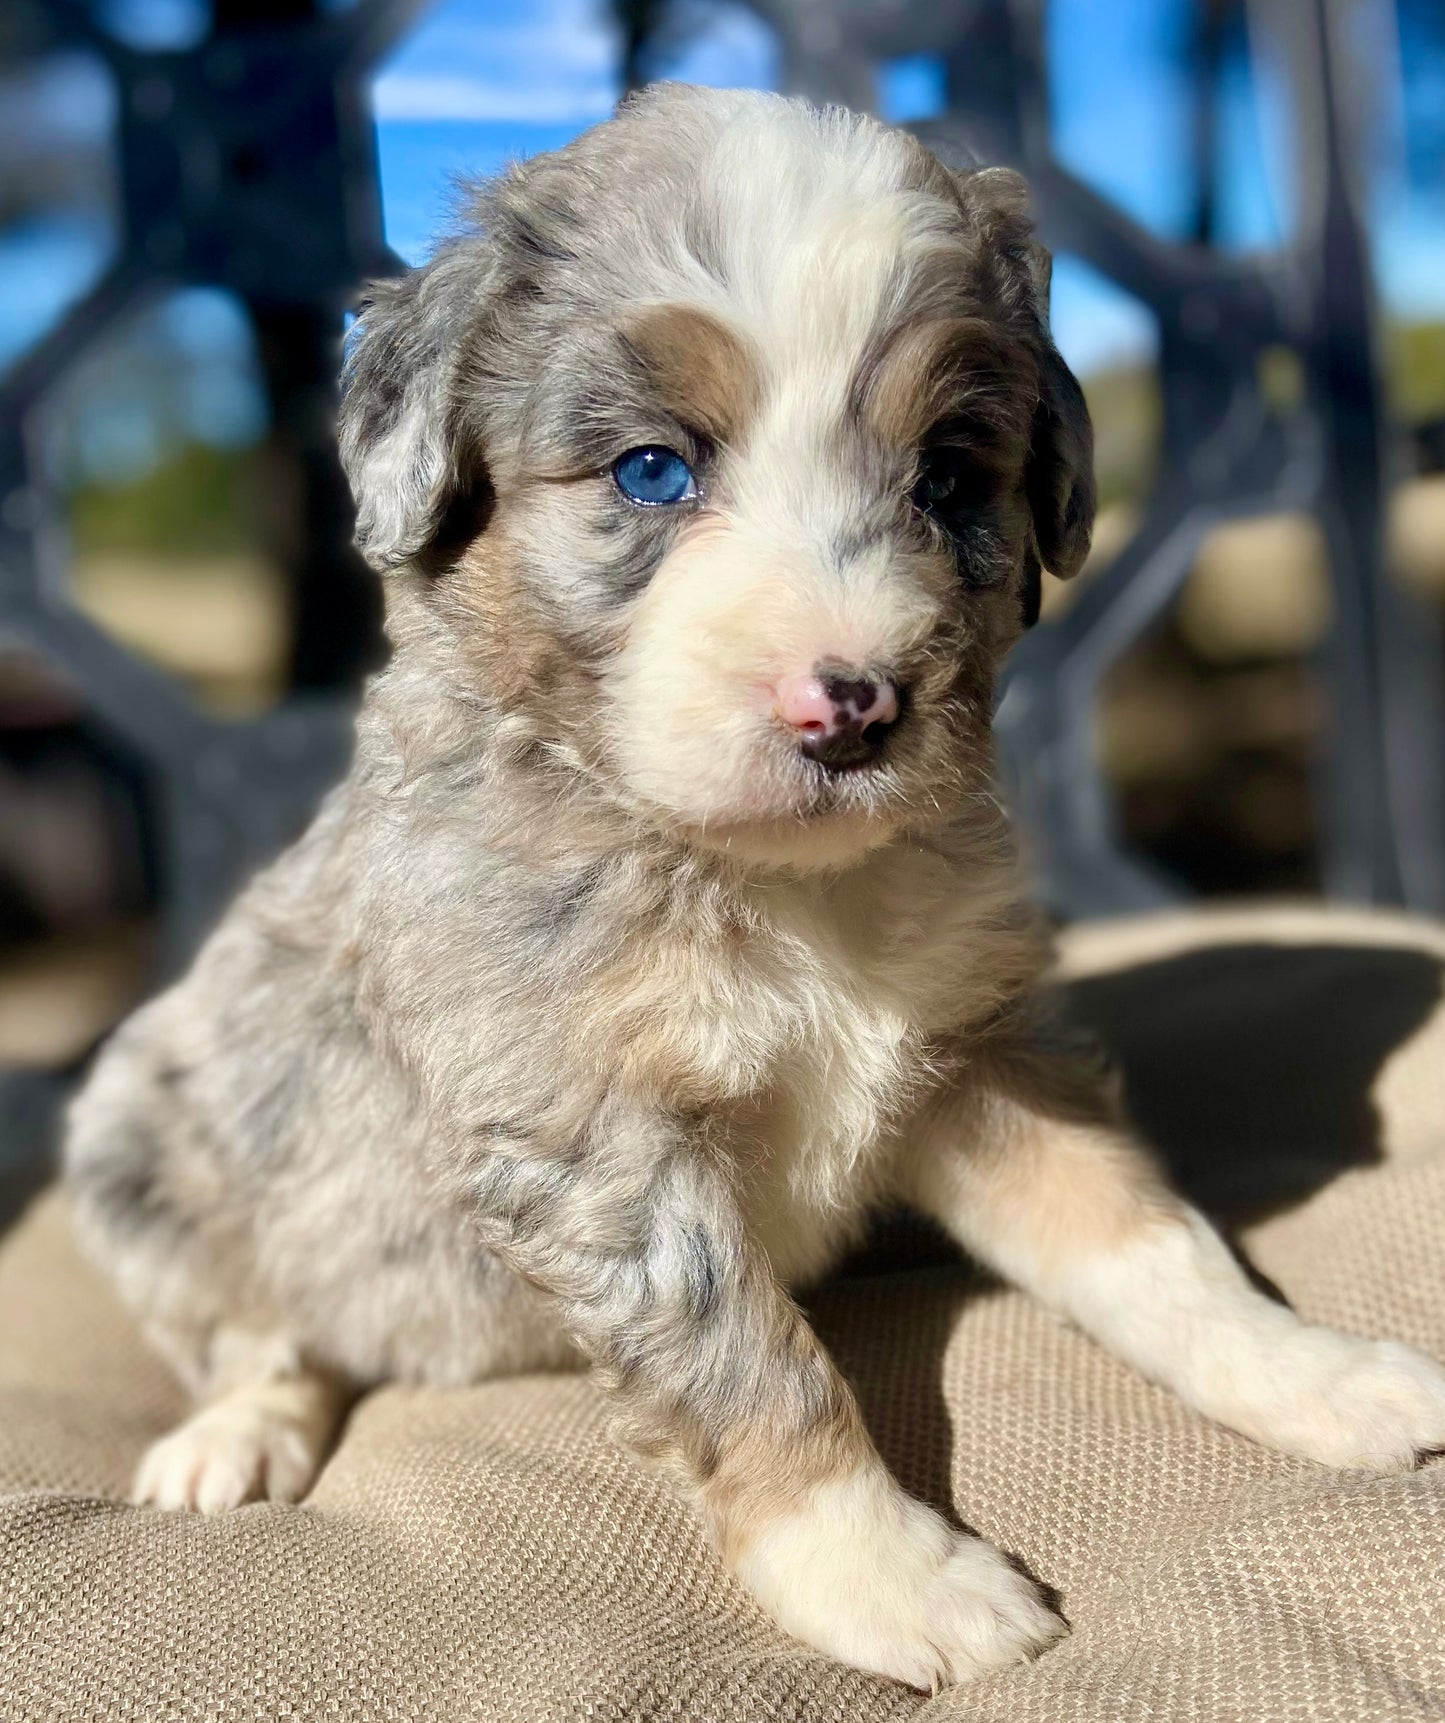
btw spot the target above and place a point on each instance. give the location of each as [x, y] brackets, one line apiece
[1414, 355]
[199, 503]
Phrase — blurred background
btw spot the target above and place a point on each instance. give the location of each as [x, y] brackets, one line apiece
[1246, 198]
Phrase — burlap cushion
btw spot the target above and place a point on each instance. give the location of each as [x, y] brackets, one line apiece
[491, 1555]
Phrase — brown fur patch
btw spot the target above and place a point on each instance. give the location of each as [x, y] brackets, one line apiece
[521, 656]
[1032, 1143]
[704, 372]
[1078, 1194]
[958, 367]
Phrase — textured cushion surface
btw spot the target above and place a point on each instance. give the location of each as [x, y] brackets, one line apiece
[491, 1555]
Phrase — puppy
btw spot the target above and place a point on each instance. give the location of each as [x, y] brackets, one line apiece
[667, 923]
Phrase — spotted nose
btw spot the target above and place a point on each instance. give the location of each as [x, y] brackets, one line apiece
[841, 717]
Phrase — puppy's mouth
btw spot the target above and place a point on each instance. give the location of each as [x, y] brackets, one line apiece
[809, 776]
[804, 810]
[862, 782]
[841, 752]
[758, 798]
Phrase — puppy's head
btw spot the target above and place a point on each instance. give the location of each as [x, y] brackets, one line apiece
[725, 447]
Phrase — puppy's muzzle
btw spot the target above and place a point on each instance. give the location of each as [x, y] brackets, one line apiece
[841, 716]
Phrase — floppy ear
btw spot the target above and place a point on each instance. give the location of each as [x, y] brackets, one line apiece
[403, 445]
[1058, 479]
[1060, 473]
[1059, 476]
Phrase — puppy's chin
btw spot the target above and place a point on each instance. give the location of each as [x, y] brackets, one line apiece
[809, 844]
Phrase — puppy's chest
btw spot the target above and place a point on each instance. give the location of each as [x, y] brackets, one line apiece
[814, 1147]
[802, 1033]
[800, 1014]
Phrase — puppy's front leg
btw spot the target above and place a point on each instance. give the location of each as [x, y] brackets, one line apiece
[1027, 1166]
[638, 1238]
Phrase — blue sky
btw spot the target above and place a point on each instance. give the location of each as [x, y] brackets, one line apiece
[479, 81]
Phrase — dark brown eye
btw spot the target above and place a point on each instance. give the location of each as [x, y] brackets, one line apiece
[958, 491]
[941, 487]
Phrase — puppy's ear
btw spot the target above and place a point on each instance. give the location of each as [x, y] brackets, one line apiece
[1059, 477]
[403, 445]
[1060, 473]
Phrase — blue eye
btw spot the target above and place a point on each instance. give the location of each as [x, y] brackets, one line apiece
[654, 475]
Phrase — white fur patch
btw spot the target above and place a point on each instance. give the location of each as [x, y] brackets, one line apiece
[261, 1445]
[872, 1577]
[1175, 1304]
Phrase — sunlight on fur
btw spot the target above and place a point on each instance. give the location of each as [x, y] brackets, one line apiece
[667, 924]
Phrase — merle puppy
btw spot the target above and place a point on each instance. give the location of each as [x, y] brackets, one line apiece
[667, 922]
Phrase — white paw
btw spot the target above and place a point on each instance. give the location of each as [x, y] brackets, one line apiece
[224, 1456]
[1349, 1402]
[874, 1578]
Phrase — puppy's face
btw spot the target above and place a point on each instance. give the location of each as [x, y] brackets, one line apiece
[728, 457]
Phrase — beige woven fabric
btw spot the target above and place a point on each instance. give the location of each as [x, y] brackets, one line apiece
[490, 1555]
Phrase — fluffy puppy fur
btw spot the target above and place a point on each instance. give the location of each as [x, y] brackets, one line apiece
[592, 1014]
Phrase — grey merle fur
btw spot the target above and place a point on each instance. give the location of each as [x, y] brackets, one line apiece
[482, 1074]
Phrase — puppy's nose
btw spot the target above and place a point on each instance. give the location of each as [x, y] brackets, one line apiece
[841, 717]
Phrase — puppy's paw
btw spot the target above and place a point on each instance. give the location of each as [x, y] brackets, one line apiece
[875, 1579]
[982, 1614]
[226, 1455]
[1350, 1402]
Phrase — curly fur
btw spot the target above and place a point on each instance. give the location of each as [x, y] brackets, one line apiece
[590, 1016]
